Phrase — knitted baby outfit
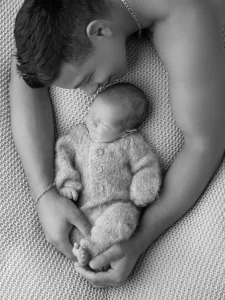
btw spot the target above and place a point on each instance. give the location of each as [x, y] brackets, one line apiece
[112, 180]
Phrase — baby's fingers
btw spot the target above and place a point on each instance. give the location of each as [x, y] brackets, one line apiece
[68, 194]
[65, 192]
[74, 195]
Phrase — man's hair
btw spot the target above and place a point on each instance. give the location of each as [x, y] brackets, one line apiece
[49, 33]
[132, 100]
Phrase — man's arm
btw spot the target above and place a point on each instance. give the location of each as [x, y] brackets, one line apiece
[33, 134]
[32, 129]
[192, 50]
[191, 46]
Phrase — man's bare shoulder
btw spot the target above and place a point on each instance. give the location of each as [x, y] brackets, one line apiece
[191, 25]
[168, 8]
[190, 44]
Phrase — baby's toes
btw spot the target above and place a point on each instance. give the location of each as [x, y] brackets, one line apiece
[84, 256]
[75, 249]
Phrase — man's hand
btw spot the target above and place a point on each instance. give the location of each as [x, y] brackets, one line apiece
[57, 216]
[122, 258]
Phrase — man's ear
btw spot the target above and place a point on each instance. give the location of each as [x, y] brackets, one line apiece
[98, 29]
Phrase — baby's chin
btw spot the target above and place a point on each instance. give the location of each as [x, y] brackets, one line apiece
[96, 139]
[101, 140]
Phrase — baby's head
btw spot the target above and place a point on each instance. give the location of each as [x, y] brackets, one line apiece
[115, 112]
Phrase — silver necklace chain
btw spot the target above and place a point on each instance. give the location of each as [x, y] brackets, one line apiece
[133, 16]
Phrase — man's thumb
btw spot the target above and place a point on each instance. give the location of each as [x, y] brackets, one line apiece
[105, 258]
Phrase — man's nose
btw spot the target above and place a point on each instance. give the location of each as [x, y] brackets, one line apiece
[89, 89]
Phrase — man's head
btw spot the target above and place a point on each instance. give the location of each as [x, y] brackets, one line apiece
[69, 43]
[115, 112]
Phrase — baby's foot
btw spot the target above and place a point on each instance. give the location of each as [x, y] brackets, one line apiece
[81, 254]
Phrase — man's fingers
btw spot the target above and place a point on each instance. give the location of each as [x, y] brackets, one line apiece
[100, 279]
[100, 261]
[105, 258]
[79, 221]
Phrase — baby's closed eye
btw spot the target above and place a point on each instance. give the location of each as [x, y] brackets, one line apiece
[105, 125]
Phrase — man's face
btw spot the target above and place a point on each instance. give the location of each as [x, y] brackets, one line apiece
[107, 63]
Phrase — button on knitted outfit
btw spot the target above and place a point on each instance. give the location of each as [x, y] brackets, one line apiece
[113, 180]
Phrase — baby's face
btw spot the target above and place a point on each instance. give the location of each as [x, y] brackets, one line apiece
[104, 121]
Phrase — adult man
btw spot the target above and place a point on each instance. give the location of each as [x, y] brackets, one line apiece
[188, 38]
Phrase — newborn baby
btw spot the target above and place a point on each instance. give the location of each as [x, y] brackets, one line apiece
[107, 167]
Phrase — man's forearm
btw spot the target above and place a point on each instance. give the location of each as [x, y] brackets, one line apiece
[33, 133]
[183, 184]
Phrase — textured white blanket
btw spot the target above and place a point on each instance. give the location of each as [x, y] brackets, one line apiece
[186, 263]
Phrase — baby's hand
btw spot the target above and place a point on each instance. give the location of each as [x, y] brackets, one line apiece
[68, 192]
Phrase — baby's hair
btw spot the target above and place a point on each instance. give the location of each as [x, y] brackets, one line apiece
[50, 33]
[131, 98]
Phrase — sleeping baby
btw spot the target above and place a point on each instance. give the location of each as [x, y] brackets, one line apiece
[108, 168]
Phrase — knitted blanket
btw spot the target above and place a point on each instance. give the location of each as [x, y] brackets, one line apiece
[186, 263]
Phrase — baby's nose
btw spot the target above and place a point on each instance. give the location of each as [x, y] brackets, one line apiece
[94, 123]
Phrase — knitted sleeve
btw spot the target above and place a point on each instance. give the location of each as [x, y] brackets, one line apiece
[65, 173]
[146, 172]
